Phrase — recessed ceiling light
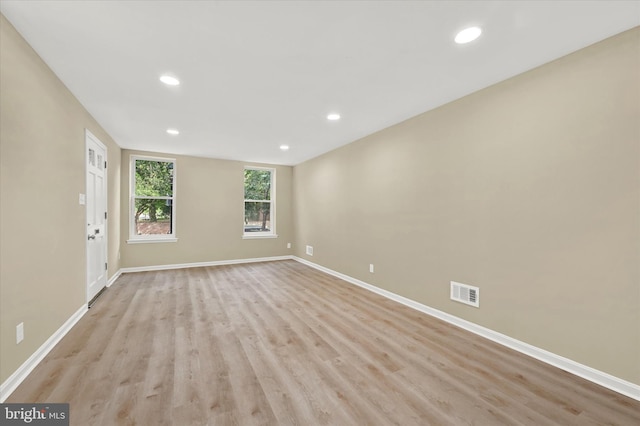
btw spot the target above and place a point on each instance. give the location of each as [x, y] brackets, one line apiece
[169, 80]
[284, 147]
[467, 35]
[173, 131]
[333, 117]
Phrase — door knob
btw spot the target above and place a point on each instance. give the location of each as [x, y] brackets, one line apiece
[91, 237]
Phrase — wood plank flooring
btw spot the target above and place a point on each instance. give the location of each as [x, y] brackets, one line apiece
[280, 343]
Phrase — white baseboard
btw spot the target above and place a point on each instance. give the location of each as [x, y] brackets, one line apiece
[601, 378]
[200, 264]
[27, 367]
[114, 278]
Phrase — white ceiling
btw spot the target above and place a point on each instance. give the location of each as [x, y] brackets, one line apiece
[258, 74]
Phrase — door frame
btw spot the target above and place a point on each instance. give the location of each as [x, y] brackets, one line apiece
[91, 137]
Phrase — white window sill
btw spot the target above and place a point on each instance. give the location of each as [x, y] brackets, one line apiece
[259, 236]
[151, 240]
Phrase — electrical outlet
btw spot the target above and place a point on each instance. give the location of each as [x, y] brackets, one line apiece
[371, 268]
[309, 250]
[19, 333]
[288, 245]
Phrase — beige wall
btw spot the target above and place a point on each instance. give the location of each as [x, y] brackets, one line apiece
[529, 189]
[42, 172]
[209, 215]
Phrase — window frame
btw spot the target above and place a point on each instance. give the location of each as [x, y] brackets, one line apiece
[155, 238]
[272, 209]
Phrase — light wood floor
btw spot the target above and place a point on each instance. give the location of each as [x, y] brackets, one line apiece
[281, 343]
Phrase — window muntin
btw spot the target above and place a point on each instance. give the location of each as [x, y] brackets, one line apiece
[259, 202]
[152, 216]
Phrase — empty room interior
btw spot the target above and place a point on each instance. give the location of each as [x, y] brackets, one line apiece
[337, 213]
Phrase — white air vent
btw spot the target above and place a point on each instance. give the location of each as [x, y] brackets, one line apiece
[310, 250]
[465, 294]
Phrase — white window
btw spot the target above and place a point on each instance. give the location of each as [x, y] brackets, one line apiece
[152, 206]
[259, 202]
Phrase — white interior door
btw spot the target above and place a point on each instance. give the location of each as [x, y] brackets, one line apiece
[96, 203]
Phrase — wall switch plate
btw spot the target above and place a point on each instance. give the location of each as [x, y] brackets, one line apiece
[371, 268]
[82, 199]
[19, 333]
